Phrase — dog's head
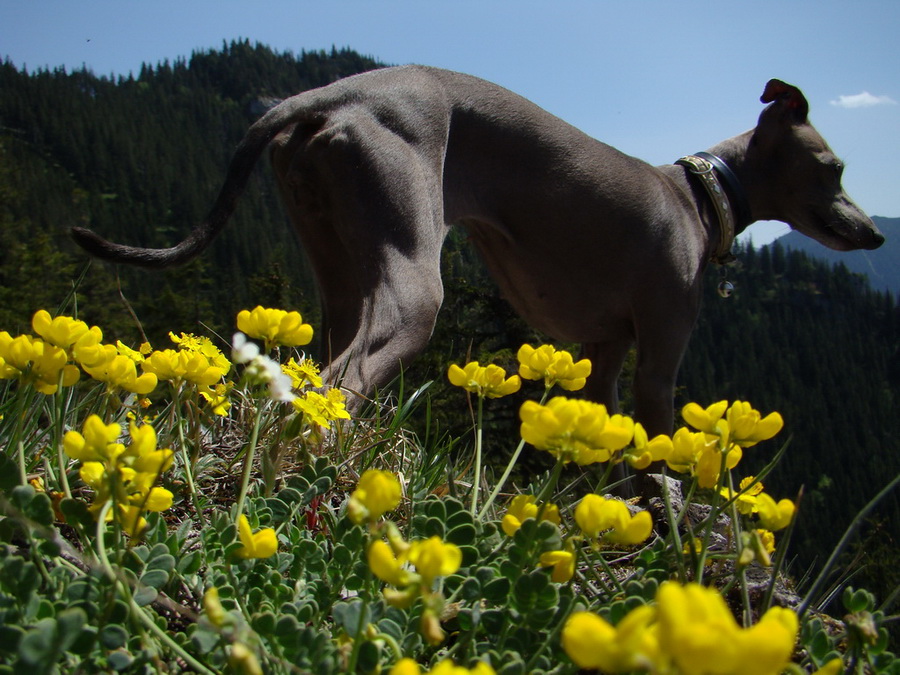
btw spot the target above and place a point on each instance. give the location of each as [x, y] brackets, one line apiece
[799, 177]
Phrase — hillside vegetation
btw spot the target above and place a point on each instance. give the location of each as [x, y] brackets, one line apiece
[140, 159]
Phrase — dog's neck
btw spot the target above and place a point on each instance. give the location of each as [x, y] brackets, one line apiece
[728, 198]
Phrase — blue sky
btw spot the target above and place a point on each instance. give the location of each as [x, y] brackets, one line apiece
[657, 79]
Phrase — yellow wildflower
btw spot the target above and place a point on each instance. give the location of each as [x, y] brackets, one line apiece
[194, 367]
[376, 493]
[217, 397]
[322, 410]
[261, 544]
[61, 331]
[447, 667]
[745, 497]
[202, 345]
[213, 608]
[562, 562]
[574, 430]
[774, 516]
[97, 443]
[118, 370]
[699, 633]
[524, 507]
[748, 427]
[767, 645]
[594, 644]
[646, 450]
[552, 366]
[302, 373]
[386, 566]
[434, 558]
[596, 514]
[487, 381]
[405, 666]
[243, 660]
[33, 361]
[275, 326]
[705, 420]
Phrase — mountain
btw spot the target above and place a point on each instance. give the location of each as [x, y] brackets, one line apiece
[881, 266]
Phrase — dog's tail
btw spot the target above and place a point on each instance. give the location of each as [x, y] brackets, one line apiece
[244, 160]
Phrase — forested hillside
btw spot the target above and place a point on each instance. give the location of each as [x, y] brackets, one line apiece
[140, 159]
[881, 266]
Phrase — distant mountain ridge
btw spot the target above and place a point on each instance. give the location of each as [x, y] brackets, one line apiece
[881, 266]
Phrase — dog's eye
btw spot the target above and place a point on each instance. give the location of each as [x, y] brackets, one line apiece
[838, 169]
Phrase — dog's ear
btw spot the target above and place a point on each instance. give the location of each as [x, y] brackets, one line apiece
[786, 96]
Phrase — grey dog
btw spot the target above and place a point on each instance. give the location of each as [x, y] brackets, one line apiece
[588, 244]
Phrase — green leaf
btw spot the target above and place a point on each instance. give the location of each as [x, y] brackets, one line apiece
[9, 473]
[40, 509]
[369, 656]
[435, 508]
[347, 615]
[155, 578]
[21, 496]
[496, 591]
[305, 613]
[113, 636]
[858, 600]
[494, 620]
[342, 555]
[144, 595]
[162, 561]
[434, 527]
[471, 590]
[819, 646]
[189, 563]
[462, 534]
[459, 518]
[264, 623]
[120, 660]
[287, 628]
[49, 638]
[10, 635]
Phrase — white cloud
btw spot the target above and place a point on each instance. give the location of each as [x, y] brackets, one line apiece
[863, 100]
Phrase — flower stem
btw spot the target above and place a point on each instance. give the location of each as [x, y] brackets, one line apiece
[248, 465]
[509, 467]
[476, 481]
[185, 457]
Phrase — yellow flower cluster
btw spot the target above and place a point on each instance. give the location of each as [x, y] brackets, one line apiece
[689, 630]
[595, 515]
[524, 507]
[321, 410]
[261, 544]
[124, 476]
[31, 360]
[486, 381]
[750, 499]
[376, 493]
[445, 667]
[583, 432]
[722, 430]
[275, 327]
[431, 558]
[553, 367]
[574, 430]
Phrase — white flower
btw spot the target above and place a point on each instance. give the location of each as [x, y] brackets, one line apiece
[242, 350]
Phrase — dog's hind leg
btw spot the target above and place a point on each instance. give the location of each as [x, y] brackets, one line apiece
[367, 205]
[606, 359]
